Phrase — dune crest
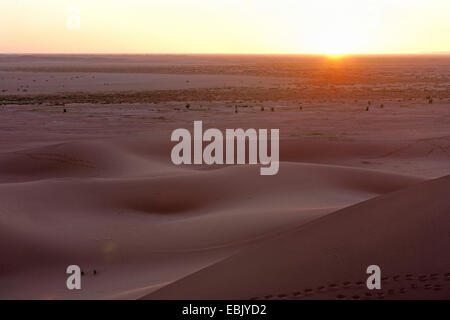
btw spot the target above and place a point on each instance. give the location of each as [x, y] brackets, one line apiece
[402, 232]
[144, 212]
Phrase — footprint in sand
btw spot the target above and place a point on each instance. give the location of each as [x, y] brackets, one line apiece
[437, 287]
[321, 288]
[434, 276]
[347, 284]
[333, 286]
[380, 295]
[424, 278]
[309, 292]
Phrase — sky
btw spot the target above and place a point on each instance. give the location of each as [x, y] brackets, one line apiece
[225, 26]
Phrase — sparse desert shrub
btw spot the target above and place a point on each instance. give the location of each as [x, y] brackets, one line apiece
[381, 106]
[188, 106]
[367, 108]
[262, 108]
[430, 101]
[369, 102]
[160, 118]
[272, 109]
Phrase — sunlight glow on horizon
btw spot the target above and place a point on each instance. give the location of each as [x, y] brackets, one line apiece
[330, 27]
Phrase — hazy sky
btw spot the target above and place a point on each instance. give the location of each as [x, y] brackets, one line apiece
[224, 26]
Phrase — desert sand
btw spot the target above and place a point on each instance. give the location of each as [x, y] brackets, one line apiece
[363, 179]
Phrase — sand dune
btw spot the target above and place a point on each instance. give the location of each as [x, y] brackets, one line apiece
[86, 177]
[404, 232]
[110, 207]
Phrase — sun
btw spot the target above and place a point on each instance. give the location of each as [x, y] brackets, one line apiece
[342, 38]
[337, 42]
[341, 28]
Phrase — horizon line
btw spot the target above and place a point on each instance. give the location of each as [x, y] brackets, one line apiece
[230, 54]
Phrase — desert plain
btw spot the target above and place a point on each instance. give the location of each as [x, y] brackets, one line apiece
[86, 177]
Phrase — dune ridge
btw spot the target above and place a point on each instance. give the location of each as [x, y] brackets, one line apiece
[410, 224]
[109, 206]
